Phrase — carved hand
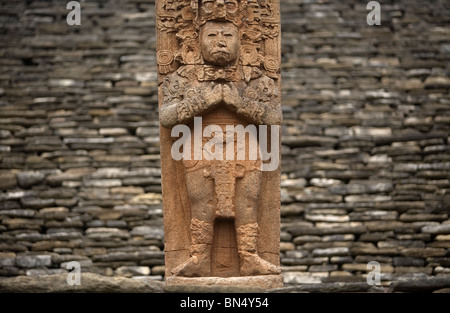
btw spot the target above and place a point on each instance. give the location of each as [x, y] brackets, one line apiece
[213, 95]
[231, 96]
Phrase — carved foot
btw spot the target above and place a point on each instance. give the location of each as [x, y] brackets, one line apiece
[252, 264]
[198, 265]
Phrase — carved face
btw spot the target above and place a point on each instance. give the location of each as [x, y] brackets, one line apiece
[219, 43]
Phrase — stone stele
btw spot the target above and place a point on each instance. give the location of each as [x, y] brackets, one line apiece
[219, 102]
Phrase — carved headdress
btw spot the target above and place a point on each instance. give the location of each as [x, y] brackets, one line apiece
[181, 20]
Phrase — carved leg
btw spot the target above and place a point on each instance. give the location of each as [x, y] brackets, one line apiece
[201, 195]
[247, 194]
[251, 263]
[247, 230]
[199, 264]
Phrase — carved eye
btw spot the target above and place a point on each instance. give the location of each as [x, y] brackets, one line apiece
[265, 88]
[228, 35]
[231, 5]
[211, 35]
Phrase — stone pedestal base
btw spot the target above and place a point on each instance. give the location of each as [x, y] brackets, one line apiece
[225, 284]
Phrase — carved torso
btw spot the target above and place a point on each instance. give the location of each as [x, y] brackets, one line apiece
[187, 87]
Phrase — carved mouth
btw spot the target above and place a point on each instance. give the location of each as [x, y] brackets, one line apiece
[220, 53]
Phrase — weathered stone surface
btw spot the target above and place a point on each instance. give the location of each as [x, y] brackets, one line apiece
[343, 237]
[23, 223]
[408, 261]
[331, 251]
[36, 203]
[437, 229]
[420, 285]
[8, 180]
[304, 239]
[423, 253]
[7, 259]
[56, 213]
[99, 233]
[148, 232]
[423, 217]
[301, 230]
[41, 272]
[363, 268]
[341, 259]
[262, 282]
[331, 288]
[28, 179]
[18, 213]
[323, 268]
[373, 251]
[129, 271]
[286, 246]
[291, 210]
[148, 199]
[296, 254]
[90, 283]
[127, 256]
[300, 278]
[31, 261]
[413, 269]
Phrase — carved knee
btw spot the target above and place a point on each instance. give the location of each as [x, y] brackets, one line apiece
[200, 189]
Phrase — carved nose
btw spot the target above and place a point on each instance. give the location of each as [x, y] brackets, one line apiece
[220, 3]
[221, 42]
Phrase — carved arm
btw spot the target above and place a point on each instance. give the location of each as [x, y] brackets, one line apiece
[182, 106]
[257, 111]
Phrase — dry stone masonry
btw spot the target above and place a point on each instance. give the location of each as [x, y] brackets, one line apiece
[365, 144]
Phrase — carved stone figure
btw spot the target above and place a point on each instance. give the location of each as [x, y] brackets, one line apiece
[218, 61]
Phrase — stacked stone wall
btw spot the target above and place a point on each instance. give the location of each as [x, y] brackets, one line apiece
[365, 142]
